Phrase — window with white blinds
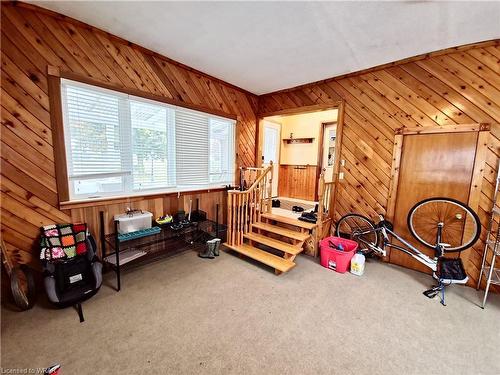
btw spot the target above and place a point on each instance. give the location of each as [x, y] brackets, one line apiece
[118, 144]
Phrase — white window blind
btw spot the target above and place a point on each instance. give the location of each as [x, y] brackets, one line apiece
[153, 150]
[222, 153]
[191, 129]
[117, 144]
[94, 145]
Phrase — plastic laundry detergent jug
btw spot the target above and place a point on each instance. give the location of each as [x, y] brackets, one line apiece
[358, 264]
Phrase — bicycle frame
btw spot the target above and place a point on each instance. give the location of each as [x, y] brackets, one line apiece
[410, 250]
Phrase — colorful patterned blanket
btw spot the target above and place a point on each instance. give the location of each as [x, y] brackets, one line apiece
[63, 241]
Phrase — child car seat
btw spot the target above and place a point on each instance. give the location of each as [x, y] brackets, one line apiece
[73, 280]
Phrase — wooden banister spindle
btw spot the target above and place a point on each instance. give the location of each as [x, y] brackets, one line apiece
[242, 216]
[270, 187]
[263, 193]
[245, 207]
[233, 219]
[321, 191]
[229, 215]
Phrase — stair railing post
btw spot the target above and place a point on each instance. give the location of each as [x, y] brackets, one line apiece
[319, 228]
[229, 218]
[321, 192]
[238, 219]
[263, 192]
[270, 187]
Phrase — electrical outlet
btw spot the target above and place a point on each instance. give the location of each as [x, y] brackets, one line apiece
[341, 175]
[342, 163]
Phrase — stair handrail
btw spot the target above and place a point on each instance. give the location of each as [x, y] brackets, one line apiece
[325, 190]
[321, 190]
[249, 173]
[245, 207]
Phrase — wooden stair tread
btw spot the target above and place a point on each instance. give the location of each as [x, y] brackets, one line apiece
[275, 244]
[288, 220]
[262, 256]
[281, 231]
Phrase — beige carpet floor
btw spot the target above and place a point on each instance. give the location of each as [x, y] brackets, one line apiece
[185, 315]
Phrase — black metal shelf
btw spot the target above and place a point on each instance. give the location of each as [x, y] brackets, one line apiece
[166, 243]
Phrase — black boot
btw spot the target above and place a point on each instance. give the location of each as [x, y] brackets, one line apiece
[208, 252]
[217, 242]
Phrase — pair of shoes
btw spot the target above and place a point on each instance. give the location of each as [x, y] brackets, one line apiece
[309, 217]
[297, 209]
[275, 203]
[212, 249]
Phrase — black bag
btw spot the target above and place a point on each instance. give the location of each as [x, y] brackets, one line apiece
[74, 279]
[450, 269]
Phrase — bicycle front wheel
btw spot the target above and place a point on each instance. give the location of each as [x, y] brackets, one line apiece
[460, 224]
[360, 229]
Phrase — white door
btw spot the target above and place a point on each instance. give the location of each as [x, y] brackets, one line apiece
[329, 136]
[271, 150]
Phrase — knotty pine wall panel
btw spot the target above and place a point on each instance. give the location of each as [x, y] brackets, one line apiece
[456, 86]
[32, 39]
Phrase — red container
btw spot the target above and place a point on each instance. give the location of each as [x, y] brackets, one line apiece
[334, 259]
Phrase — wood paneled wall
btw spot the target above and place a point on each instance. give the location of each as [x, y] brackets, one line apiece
[456, 86]
[459, 86]
[298, 181]
[158, 205]
[33, 39]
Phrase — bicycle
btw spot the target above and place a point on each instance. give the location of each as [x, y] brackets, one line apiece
[445, 225]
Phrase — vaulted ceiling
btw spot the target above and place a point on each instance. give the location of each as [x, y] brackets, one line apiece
[268, 46]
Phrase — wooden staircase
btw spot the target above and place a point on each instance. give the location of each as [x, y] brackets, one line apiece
[255, 232]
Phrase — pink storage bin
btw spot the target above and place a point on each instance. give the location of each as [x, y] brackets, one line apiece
[334, 259]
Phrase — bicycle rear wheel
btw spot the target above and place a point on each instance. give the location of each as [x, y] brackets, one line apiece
[360, 229]
[461, 226]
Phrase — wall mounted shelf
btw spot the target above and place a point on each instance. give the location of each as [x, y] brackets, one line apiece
[298, 140]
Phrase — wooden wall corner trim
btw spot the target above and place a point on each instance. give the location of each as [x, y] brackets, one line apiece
[478, 170]
[477, 179]
[337, 158]
[53, 71]
[57, 127]
[393, 187]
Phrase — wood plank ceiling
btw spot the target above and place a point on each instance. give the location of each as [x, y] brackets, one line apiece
[33, 39]
[459, 86]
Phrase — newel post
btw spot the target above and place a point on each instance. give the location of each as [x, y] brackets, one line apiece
[270, 188]
[321, 193]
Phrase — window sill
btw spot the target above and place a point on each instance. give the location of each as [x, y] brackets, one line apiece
[102, 201]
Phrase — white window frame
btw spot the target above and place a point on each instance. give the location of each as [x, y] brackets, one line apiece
[125, 122]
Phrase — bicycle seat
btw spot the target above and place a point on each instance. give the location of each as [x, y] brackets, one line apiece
[385, 223]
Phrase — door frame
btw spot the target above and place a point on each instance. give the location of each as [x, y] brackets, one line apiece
[339, 105]
[321, 147]
[477, 169]
[276, 163]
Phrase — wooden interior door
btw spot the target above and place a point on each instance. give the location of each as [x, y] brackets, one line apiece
[328, 152]
[271, 151]
[432, 165]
